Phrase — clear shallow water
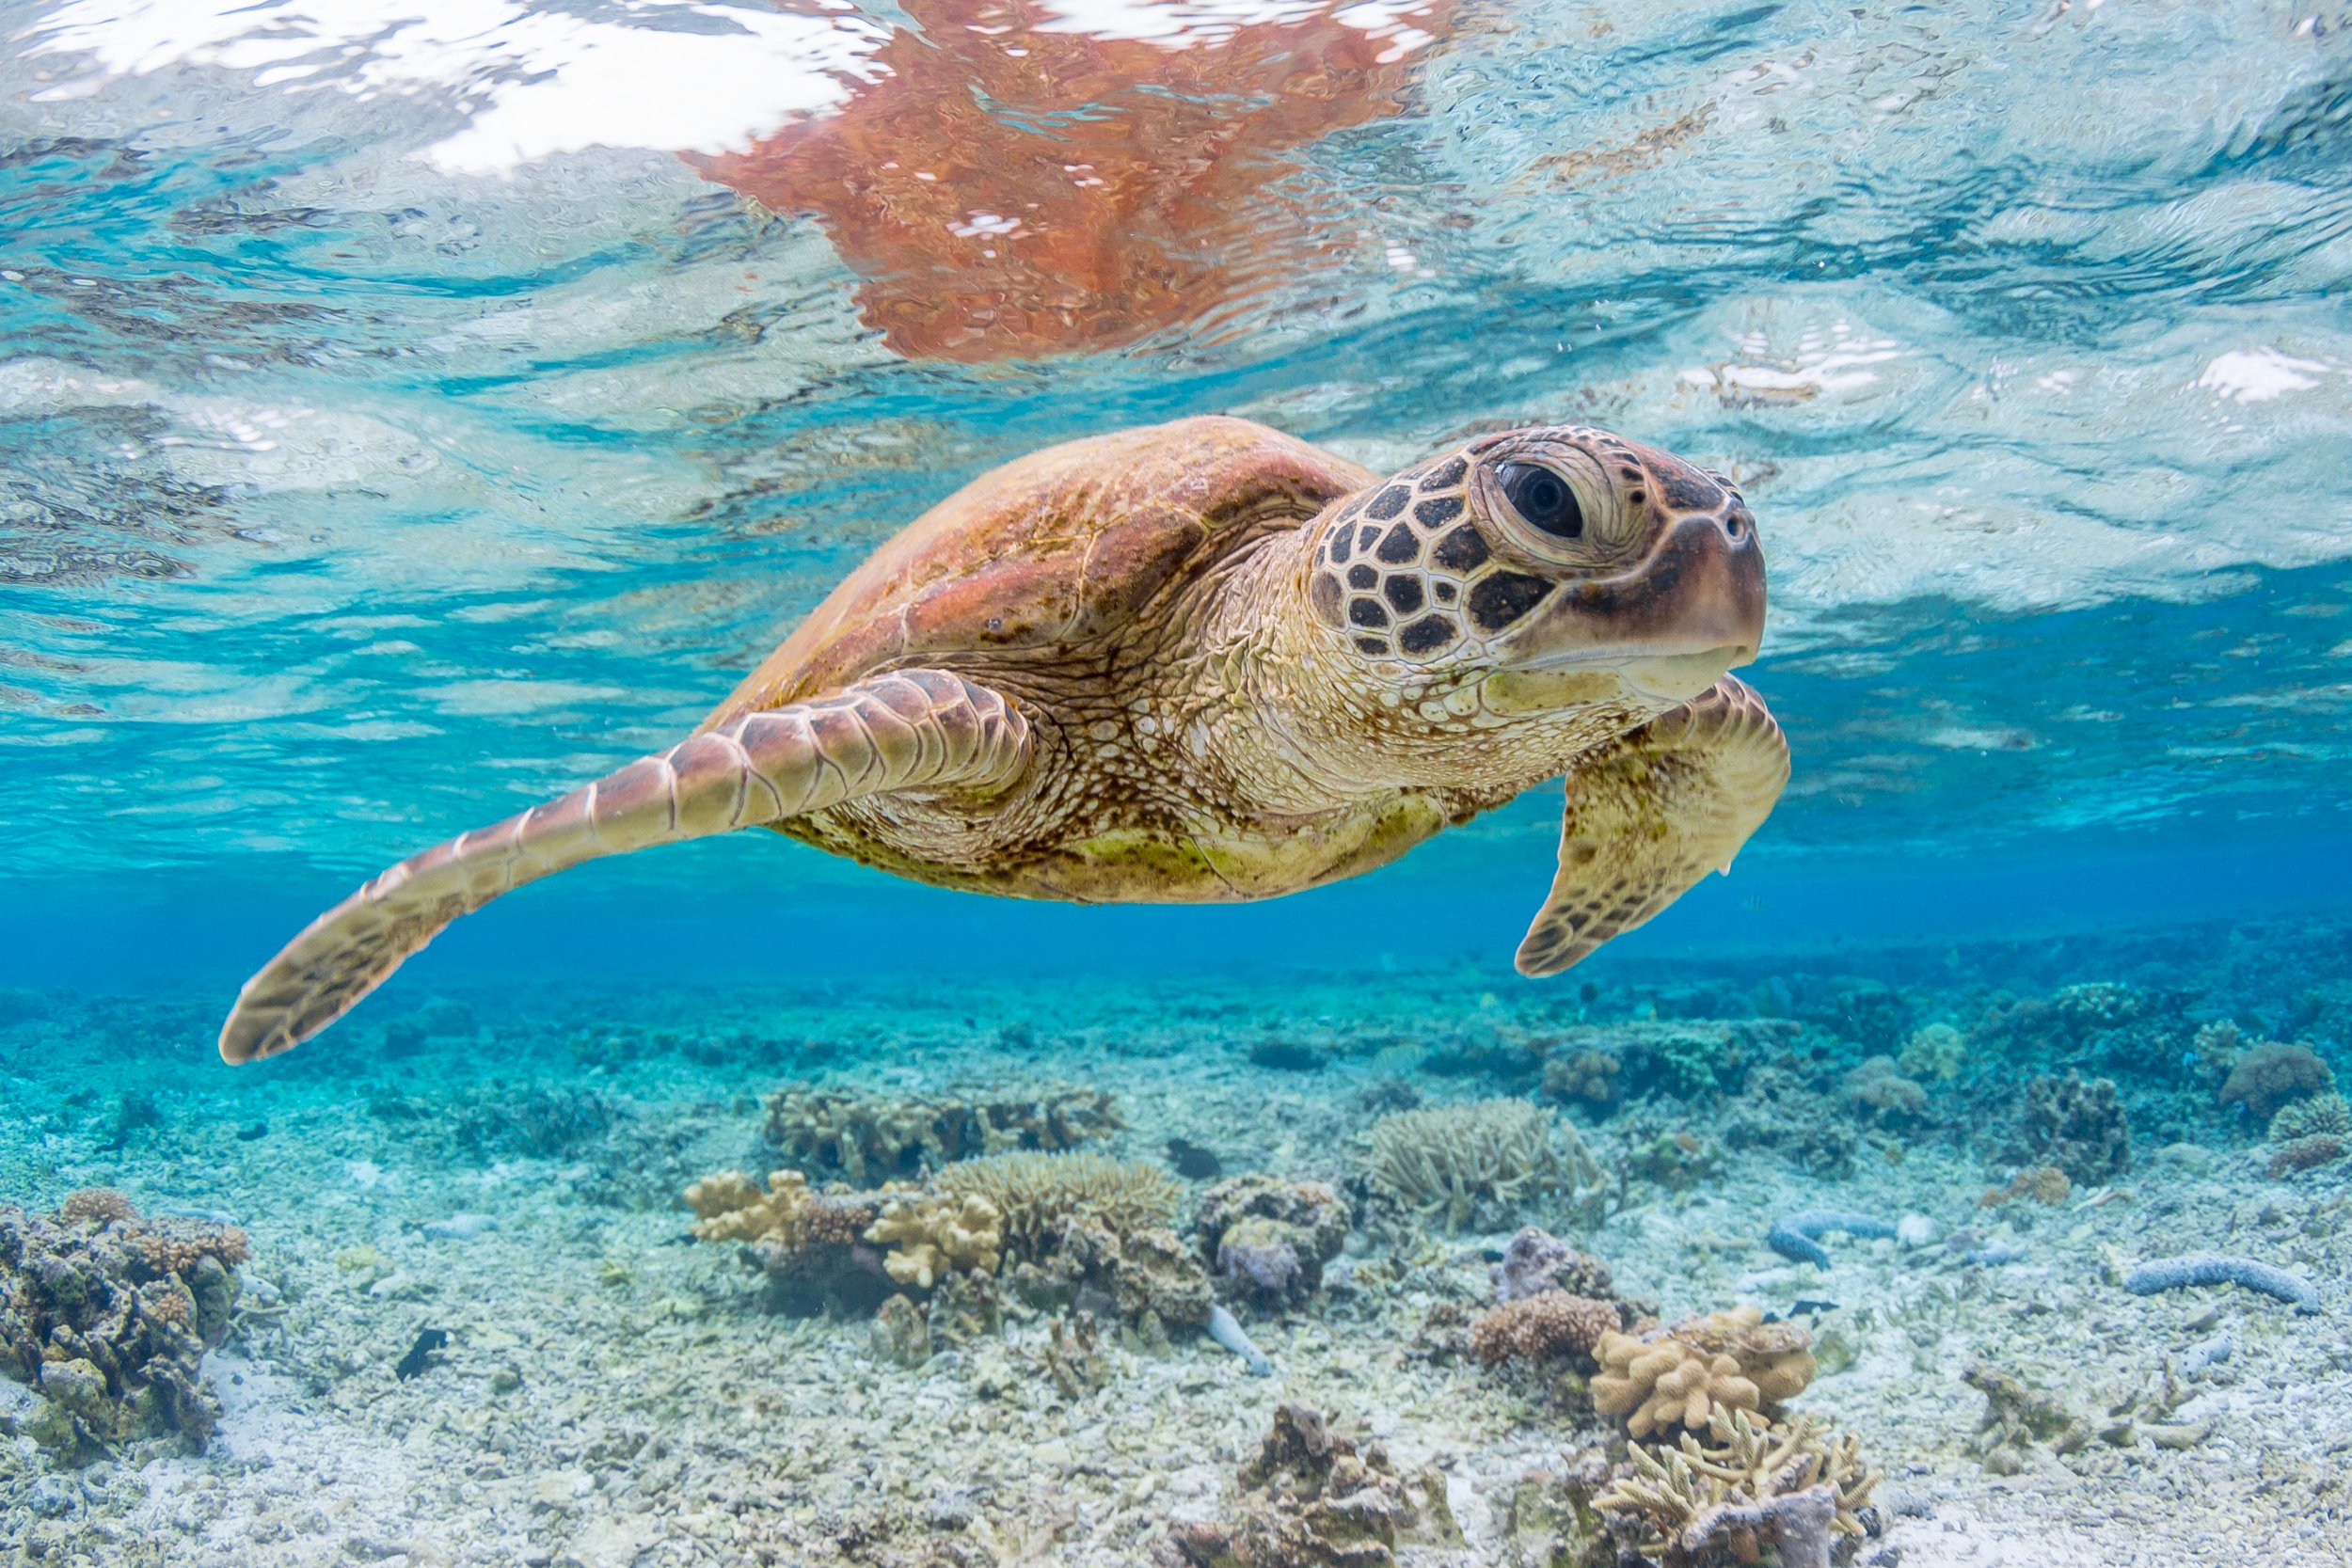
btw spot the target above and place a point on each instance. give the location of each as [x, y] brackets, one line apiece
[399, 423]
[409, 410]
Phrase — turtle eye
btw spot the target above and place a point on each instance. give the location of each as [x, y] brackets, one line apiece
[1542, 498]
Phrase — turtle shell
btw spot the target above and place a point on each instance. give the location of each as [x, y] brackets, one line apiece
[1063, 548]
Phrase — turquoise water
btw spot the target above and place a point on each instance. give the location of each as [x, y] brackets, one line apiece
[409, 411]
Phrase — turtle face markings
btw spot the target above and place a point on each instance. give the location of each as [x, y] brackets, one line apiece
[1539, 547]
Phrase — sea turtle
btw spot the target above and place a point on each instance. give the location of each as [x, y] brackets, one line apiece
[1201, 662]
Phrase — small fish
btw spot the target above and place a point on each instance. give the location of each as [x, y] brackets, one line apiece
[1752, 903]
[420, 1354]
[1194, 1163]
[1804, 1307]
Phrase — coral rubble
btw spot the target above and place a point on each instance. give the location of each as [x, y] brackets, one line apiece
[1478, 1165]
[1310, 1497]
[108, 1314]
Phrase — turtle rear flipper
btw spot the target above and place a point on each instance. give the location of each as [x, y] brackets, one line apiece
[1651, 814]
[912, 729]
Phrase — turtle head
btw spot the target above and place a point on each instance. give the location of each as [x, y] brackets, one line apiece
[1559, 564]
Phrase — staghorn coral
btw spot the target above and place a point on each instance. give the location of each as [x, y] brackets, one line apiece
[1536, 1260]
[1268, 1239]
[1731, 1360]
[1549, 1326]
[108, 1315]
[933, 1236]
[2302, 1154]
[1040, 1197]
[2077, 1125]
[1478, 1165]
[1311, 1499]
[2321, 1114]
[870, 1140]
[1754, 1486]
[2271, 1074]
[2044, 1184]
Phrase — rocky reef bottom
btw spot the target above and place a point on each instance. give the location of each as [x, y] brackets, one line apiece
[1976, 1257]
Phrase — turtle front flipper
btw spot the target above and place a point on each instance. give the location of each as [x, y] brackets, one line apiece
[1651, 814]
[910, 730]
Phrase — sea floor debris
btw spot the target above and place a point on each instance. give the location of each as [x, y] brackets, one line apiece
[607, 1391]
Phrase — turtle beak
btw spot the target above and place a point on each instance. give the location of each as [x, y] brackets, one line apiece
[1674, 623]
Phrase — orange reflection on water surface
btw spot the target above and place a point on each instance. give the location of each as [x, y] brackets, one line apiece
[1025, 181]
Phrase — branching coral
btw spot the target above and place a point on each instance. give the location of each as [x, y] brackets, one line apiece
[870, 1139]
[935, 1235]
[1730, 1360]
[2321, 1116]
[1549, 1326]
[1755, 1486]
[1479, 1164]
[108, 1314]
[1039, 1197]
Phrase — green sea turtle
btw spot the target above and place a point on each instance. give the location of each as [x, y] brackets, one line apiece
[1201, 662]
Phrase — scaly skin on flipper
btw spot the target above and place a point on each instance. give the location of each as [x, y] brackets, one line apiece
[1664, 806]
[912, 729]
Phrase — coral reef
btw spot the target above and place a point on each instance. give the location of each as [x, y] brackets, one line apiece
[1754, 1486]
[869, 1140]
[1549, 1326]
[2216, 1268]
[2271, 1074]
[2321, 1114]
[933, 1235]
[1311, 1499]
[2302, 1154]
[1882, 1095]
[812, 1245]
[1039, 1197]
[1589, 1075]
[1075, 1358]
[2044, 1184]
[1778, 1111]
[108, 1314]
[1268, 1239]
[1478, 1166]
[1937, 1051]
[1728, 1360]
[2077, 1125]
[1536, 1260]
[1797, 1236]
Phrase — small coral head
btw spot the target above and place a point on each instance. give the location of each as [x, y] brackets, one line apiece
[1565, 556]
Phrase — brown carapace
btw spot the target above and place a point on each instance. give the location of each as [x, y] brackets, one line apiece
[1194, 662]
